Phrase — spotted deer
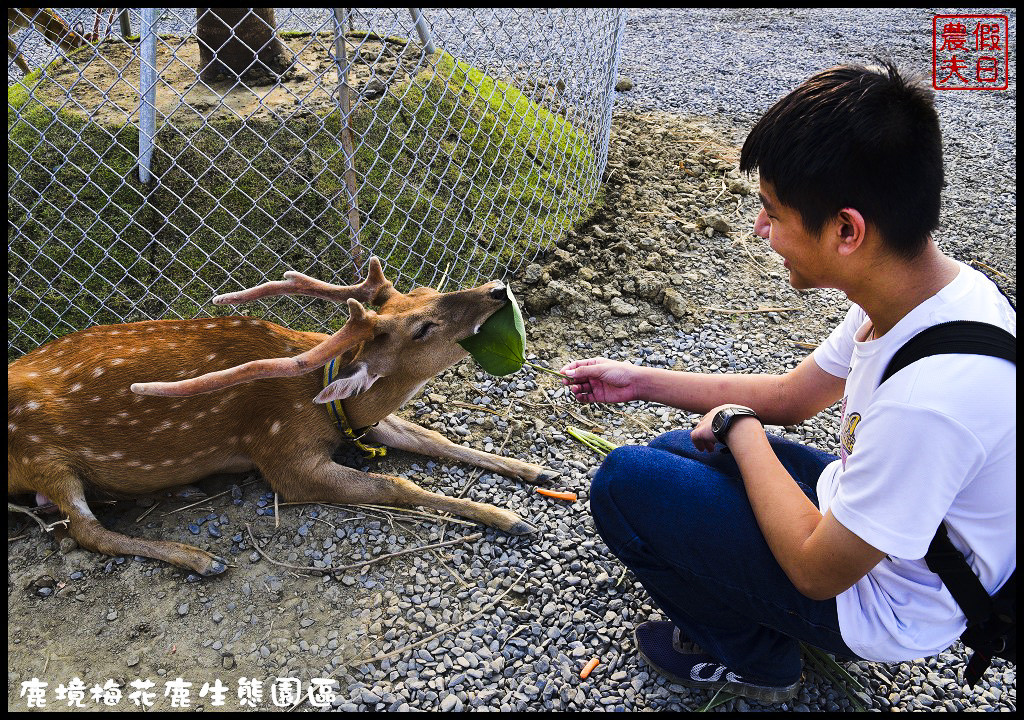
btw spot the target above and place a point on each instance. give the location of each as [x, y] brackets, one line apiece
[109, 408]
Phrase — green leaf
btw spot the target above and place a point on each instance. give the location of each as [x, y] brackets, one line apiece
[500, 346]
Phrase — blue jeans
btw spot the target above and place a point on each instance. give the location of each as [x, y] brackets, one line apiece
[680, 520]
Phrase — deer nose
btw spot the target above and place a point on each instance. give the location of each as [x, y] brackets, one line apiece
[498, 291]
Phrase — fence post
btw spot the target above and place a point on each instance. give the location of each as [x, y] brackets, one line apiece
[422, 30]
[347, 146]
[147, 92]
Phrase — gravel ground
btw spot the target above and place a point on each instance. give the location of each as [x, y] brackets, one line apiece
[639, 281]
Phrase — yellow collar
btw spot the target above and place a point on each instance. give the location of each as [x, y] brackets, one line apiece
[337, 413]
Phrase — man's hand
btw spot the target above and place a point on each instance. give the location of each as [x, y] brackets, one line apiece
[602, 380]
[702, 437]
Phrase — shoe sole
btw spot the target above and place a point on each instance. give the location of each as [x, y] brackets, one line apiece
[763, 693]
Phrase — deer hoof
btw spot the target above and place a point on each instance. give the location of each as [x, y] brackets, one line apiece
[547, 476]
[521, 527]
[216, 567]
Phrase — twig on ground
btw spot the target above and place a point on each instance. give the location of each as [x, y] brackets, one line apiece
[355, 566]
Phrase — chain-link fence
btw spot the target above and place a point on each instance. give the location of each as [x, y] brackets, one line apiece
[161, 159]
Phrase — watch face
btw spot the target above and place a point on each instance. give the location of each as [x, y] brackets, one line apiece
[718, 421]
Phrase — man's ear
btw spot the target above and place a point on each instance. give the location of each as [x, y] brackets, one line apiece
[851, 229]
[351, 380]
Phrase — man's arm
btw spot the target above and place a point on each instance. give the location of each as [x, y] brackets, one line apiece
[820, 556]
[778, 399]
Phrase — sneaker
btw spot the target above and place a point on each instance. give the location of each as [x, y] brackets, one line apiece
[666, 650]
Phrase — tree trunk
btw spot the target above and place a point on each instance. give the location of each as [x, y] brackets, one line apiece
[239, 42]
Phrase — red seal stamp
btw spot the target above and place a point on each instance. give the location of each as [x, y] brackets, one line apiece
[970, 52]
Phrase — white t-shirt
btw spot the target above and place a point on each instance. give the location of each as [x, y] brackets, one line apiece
[937, 441]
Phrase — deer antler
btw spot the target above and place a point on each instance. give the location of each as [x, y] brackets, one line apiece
[374, 290]
[356, 331]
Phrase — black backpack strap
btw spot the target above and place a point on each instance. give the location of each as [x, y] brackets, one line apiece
[957, 336]
[950, 564]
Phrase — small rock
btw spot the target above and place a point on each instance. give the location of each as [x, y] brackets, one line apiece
[674, 303]
[621, 308]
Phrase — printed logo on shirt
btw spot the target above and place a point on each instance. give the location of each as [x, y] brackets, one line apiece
[847, 437]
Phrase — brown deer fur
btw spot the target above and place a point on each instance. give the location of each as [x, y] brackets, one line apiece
[78, 421]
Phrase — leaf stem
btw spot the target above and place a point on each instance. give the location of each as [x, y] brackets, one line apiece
[547, 370]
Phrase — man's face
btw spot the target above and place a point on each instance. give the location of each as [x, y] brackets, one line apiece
[802, 253]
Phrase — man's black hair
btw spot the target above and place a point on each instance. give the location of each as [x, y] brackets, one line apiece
[860, 137]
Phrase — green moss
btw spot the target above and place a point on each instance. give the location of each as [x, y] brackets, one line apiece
[455, 170]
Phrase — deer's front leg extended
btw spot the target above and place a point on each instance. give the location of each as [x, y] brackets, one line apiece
[321, 480]
[401, 434]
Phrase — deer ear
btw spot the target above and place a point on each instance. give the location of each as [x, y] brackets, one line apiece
[350, 380]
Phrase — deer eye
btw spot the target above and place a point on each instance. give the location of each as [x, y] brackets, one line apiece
[423, 330]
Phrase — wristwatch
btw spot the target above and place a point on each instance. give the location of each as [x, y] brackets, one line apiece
[722, 421]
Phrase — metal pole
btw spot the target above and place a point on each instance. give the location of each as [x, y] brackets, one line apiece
[147, 92]
[422, 30]
[347, 146]
[126, 26]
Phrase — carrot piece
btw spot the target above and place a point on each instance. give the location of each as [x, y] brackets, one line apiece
[594, 662]
[571, 497]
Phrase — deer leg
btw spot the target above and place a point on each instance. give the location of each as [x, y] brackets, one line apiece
[401, 434]
[329, 482]
[65, 490]
[12, 51]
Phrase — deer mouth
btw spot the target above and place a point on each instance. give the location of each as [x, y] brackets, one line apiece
[498, 293]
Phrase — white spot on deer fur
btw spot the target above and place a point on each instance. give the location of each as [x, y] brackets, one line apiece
[210, 357]
[146, 467]
[59, 429]
[97, 372]
[167, 463]
[116, 455]
[133, 463]
[209, 326]
[275, 428]
[33, 438]
[116, 361]
[83, 508]
[184, 426]
[55, 370]
[236, 322]
[30, 405]
[32, 374]
[76, 387]
[11, 427]
[97, 398]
